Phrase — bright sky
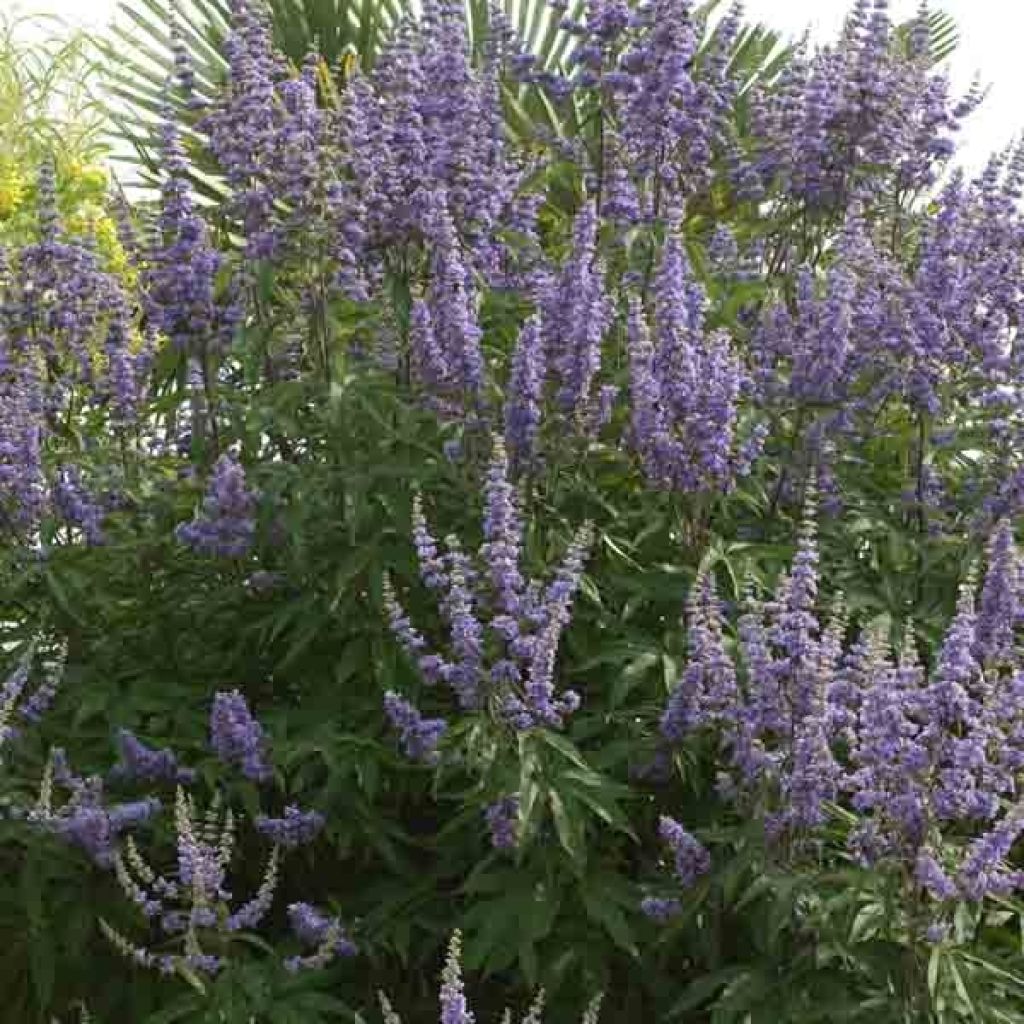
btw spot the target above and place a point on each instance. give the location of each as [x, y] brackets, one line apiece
[990, 34]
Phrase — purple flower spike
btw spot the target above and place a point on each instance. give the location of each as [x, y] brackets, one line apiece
[1000, 607]
[86, 823]
[237, 738]
[575, 315]
[707, 692]
[691, 859]
[503, 530]
[140, 763]
[419, 736]
[541, 705]
[502, 820]
[314, 928]
[454, 1007]
[225, 526]
[295, 828]
[524, 393]
[686, 388]
[661, 909]
[932, 878]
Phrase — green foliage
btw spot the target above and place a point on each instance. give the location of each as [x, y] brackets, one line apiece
[48, 110]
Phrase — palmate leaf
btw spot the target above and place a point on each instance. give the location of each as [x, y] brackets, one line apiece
[138, 60]
[137, 57]
[942, 32]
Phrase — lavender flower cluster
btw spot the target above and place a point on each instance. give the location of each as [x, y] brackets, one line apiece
[15, 704]
[454, 1006]
[504, 629]
[225, 526]
[326, 934]
[184, 300]
[920, 757]
[428, 178]
[140, 763]
[237, 737]
[295, 828]
[68, 348]
[686, 388]
[863, 100]
[190, 905]
[85, 820]
[911, 306]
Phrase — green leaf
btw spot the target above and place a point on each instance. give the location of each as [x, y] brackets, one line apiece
[569, 829]
[611, 918]
[704, 988]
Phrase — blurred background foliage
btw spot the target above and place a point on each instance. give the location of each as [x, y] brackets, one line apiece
[49, 108]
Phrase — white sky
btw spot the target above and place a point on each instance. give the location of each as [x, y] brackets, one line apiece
[990, 34]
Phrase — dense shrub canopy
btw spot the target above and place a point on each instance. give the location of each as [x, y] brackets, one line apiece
[348, 519]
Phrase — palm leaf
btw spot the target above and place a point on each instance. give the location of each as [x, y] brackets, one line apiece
[943, 35]
[138, 59]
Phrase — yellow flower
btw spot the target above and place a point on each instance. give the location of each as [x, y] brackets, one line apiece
[349, 64]
[94, 178]
[12, 187]
[91, 219]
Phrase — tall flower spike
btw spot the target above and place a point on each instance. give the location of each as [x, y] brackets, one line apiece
[77, 507]
[707, 692]
[686, 388]
[454, 1008]
[253, 912]
[432, 570]
[576, 316]
[418, 736]
[949, 697]
[797, 623]
[664, 109]
[542, 707]
[985, 871]
[84, 821]
[931, 876]
[691, 859]
[1000, 607]
[295, 828]
[503, 530]
[649, 436]
[467, 638]
[225, 526]
[524, 394]
[429, 364]
[182, 299]
[11, 693]
[246, 131]
[237, 738]
[24, 494]
[316, 929]
[453, 308]
[40, 701]
[502, 819]
[139, 763]
[433, 667]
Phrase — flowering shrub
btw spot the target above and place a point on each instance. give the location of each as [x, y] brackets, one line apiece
[364, 500]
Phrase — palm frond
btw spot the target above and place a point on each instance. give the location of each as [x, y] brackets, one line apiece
[943, 35]
[137, 56]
